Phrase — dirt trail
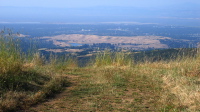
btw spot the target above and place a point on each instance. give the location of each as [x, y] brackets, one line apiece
[58, 103]
[84, 94]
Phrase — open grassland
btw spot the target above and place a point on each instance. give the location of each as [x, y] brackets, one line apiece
[137, 42]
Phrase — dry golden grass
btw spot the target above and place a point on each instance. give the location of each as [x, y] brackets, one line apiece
[142, 41]
[180, 81]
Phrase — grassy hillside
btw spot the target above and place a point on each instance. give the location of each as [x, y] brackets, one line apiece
[109, 82]
[112, 82]
[24, 78]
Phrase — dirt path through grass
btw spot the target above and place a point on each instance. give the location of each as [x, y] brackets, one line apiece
[58, 103]
[104, 90]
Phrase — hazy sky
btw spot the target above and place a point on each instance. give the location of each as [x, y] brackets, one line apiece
[73, 11]
[91, 3]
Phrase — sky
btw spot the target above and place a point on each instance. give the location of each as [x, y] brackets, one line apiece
[93, 3]
[74, 11]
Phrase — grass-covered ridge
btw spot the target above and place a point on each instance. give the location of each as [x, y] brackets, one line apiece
[111, 81]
